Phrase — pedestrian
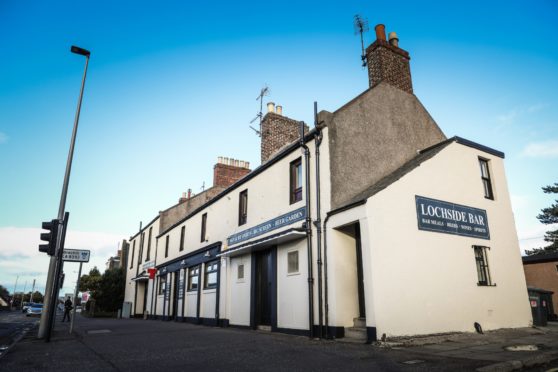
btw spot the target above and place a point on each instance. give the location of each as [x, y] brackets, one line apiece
[67, 308]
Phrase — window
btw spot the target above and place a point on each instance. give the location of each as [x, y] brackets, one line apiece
[193, 278]
[182, 232]
[149, 244]
[210, 275]
[133, 252]
[203, 226]
[292, 262]
[296, 181]
[162, 284]
[243, 207]
[141, 248]
[486, 182]
[167, 246]
[481, 260]
[240, 272]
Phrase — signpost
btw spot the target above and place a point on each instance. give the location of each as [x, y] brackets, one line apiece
[81, 256]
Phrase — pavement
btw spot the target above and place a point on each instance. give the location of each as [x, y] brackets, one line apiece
[507, 349]
[140, 345]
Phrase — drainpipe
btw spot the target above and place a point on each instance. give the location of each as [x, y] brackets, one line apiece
[318, 222]
[308, 232]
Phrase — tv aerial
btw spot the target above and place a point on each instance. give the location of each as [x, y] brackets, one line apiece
[263, 92]
[361, 26]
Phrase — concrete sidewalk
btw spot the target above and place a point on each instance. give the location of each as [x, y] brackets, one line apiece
[507, 349]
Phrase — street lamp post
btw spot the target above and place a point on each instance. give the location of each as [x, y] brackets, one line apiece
[55, 266]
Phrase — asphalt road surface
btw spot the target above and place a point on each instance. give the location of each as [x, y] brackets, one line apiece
[14, 325]
[138, 345]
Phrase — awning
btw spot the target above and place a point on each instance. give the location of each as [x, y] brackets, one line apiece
[142, 277]
[275, 239]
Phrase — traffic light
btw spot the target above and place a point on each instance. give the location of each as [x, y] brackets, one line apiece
[62, 277]
[50, 237]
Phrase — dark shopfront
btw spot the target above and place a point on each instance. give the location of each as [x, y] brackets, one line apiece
[172, 280]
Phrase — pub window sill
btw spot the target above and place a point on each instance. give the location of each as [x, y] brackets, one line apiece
[486, 285]
[209, 290]
[294, 273]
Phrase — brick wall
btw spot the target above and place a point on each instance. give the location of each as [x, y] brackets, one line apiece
[388, 63]
[277, 131]
[225, 175]
[543, 275]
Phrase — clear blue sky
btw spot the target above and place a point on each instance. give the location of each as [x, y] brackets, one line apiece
[172, 85]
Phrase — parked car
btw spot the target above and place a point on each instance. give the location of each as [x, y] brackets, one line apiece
[26, 306]
[35, 310]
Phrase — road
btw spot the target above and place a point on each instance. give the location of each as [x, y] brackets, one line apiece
[138, 345]
[14, 325]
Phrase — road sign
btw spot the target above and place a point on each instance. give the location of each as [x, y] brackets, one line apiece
[76, 255]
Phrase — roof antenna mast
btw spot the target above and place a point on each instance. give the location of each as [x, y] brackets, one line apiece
[263, 92]
[361, 26]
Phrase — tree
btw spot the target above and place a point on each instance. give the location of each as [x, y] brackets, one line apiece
[91, 282]
[111, 290]
[548, 216]
[4, 294]
[37, 297]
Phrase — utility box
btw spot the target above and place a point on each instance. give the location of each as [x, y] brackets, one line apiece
[540, 300]
[126, 309]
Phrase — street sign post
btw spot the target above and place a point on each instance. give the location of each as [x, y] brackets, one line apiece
[76, 255]
[81, 256]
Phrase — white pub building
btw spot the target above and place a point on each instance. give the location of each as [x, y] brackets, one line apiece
[371, 224]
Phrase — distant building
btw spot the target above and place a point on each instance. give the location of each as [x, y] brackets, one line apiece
[371, 223]
[114, 262]
[541, 272]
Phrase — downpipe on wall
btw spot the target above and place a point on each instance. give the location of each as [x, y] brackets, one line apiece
[318, 222]
[308, 232]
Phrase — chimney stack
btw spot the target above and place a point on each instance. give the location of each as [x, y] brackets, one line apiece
[277, 131]
[387, 62]
[228, 170]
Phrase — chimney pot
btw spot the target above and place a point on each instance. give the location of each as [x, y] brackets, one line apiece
[380, 32]
[247, 165]
[270, 107]
[393, 39]
[279, 110]
[189, 193]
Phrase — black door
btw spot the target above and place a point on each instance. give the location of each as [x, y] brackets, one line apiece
[360, 276]
[145, 296]
[263, 288]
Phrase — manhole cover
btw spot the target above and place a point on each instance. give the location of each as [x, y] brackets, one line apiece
[415, 361]
[98, 331]
[522, 348]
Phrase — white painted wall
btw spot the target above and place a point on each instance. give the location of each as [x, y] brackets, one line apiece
[239, 300]
[426, 282]
[292, 289]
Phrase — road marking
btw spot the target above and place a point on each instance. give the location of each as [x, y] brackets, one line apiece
[415, 361]
[98, 331]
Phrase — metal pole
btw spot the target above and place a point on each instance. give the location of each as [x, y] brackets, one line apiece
[23, 295]
[75, 299]
[53, 259]
[32, 290]
[13, 295]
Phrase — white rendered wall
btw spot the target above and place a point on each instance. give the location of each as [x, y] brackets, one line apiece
[426, 282]
[292, 289]
[239, 299]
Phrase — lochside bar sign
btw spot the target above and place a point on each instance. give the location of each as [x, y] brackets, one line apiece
[449, 218]
[268, 226]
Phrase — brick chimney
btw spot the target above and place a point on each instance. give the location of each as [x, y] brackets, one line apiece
[277, 131]
[387, 62]
[227, 171]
